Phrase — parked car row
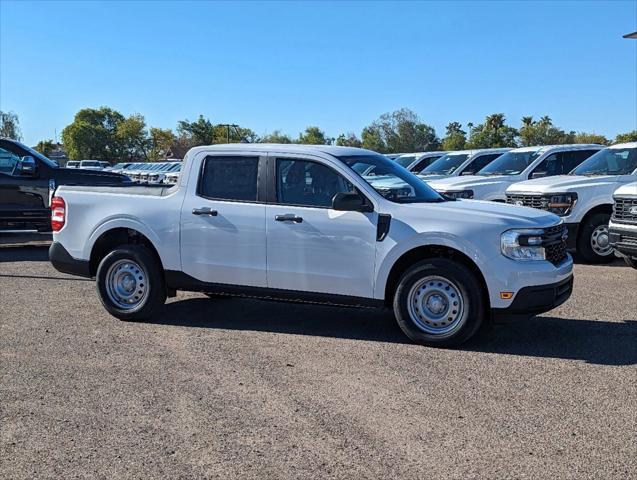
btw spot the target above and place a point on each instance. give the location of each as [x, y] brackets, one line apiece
[154, 172]
[575, 182]
[88, 164]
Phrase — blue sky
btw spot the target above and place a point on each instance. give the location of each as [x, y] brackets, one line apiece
[338, 65]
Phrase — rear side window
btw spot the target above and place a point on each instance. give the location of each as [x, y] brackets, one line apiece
[574, 158]
[229, 178]
[424, 163]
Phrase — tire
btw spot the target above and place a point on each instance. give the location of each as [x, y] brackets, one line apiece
[592, 240]
[430, 288]
[132, 275]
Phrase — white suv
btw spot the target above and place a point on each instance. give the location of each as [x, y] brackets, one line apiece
[623, 224]
[583, 198]
[515, 166]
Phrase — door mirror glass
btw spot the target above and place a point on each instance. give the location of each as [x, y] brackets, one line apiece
[538, 174]
[26, 166]
[350, 202]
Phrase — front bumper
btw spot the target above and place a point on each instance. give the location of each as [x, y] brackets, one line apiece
[63, 262]
[623, 238]
[538, 299]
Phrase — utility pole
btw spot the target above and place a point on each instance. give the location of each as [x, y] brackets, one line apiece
[228, 126]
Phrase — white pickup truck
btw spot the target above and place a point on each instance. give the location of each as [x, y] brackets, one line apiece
[300, 223]
[515, 166]
[583, 198]
[623, 224]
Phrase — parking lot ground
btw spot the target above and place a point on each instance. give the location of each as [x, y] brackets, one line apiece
[238, 388]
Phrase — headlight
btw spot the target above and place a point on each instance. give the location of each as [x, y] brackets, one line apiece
[524, 245]
[561, 203]
[460, 194]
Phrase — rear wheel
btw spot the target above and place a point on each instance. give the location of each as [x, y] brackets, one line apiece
[593, 243]
[130, 283]
[439, 302]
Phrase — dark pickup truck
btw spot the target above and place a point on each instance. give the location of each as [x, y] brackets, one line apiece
[26, 179]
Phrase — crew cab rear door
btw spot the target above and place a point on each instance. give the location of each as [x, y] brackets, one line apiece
[311, 247]
[223, 221]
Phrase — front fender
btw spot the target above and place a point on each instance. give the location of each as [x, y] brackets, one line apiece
[427, 239]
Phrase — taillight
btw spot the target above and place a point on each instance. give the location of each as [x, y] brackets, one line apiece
[58, 213]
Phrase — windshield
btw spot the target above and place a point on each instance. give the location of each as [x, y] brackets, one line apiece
[610, 161]
[510, 163]
[445, 165]
[390, 180]
[406, 160]
[90, 163]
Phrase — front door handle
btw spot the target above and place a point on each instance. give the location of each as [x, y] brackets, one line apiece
[204, 211]
[288, 217]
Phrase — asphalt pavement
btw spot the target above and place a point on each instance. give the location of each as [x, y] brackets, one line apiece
[241, 388]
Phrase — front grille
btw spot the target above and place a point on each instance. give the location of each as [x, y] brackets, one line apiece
[533, 201]
[554, 243]
[621, 210]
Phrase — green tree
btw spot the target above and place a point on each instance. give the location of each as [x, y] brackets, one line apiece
[455, 137]
[10, 126]
[45, 147]
[93, 135]
[583, 137]
[160, 141]
[626, 137]
[349, 140]
[312, 136]
[276, 137]
[542, 132]
[400, 131]
[133, 138]
[493, 133]
[199, 132]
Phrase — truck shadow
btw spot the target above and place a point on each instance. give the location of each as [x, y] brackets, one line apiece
[596, 342]
[27, 253]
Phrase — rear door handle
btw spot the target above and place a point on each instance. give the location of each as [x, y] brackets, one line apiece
[288, 217]
[204, 211]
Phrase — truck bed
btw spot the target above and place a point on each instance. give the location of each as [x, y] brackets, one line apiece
[148, 190]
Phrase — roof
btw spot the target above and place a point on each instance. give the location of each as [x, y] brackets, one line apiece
[285, 147]
[566, 146]
[624, 145]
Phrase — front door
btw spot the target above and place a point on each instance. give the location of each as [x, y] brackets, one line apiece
[312, 247]
[223, 223]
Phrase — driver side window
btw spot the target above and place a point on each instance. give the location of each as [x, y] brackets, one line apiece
[310, 184]
[8, 161]
[551, 165]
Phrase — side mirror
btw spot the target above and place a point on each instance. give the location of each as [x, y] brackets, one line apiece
[26, 166]
[538, 174]
[350, 202]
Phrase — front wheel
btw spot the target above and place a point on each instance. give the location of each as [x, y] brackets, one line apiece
[439, 302]
[593, 243]
[130, 283]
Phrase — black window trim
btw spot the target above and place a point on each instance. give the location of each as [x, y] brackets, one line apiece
[261, 177]
[272, 180]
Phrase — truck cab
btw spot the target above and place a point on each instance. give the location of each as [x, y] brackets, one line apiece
[583, 198]
[416, 162]
[26, 180]
[515, 166]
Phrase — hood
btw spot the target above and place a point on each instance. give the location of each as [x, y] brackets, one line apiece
[483, 213]
[76, 176]
[562, 184]
[468, 181]
[628, 189]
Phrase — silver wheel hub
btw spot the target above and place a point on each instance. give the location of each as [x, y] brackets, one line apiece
[600, 241]
[126, 284]
[436, 305]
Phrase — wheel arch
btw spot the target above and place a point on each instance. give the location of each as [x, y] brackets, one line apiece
[414, 255]
[113, 237]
